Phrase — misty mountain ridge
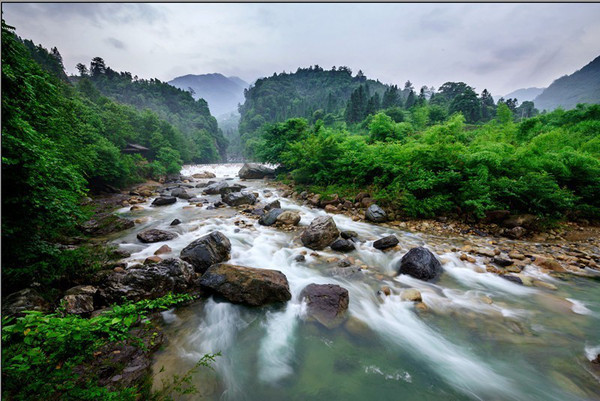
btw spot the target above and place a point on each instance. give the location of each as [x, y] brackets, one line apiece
[522, 95]
[223, 94]
[583, 86]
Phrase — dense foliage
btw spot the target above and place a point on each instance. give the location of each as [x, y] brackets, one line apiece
[200, 141]
[58, 141]
[41, 351]
[548, 165]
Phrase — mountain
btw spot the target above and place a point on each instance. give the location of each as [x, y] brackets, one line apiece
[522, 95]
[583, 86]
[223, 94]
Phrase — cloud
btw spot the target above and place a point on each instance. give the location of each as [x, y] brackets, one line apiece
[116, 43]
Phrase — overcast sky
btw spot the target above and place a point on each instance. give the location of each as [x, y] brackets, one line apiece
[501, 47]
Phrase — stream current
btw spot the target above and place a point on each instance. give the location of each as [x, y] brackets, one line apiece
[480, 338]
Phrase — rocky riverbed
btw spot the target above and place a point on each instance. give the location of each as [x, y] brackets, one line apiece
[304, 299]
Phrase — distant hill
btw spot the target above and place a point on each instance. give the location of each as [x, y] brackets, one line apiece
[223, 94]
[583, 86]
[522, 95]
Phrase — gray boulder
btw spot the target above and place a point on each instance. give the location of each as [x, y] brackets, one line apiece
[326, 303]
[255, 171]
[386, 242]
[420, 263]
[25, 300]
[343, 245]
[215, 188]
[147, 282]
[238, 198]
[246, 285]
[375, 214]
[206, 251]
[79, 300]
[181, 193]
[269, 218]
[155, 235]
[321, 233]
[164, 200]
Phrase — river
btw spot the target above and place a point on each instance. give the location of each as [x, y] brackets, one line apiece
[480, 337]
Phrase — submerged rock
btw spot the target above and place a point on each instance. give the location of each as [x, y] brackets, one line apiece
[206, 251]
[176, 222]
[351, 235]
[321, 233]
[106, 223]
[411, 294]
[375, 214]
[386, 242]
[164, 200]
[420, 263]
[246, 285]
[155, 235]
[255, 171]
[269, 218]
[343, 245]
[147, 282]
[326, 303]
[238, 198]
[514, 279]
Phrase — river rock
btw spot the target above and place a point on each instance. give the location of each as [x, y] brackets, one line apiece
[411, 294]
[321, 232]
[343, 245]
[326, 303]
[375, 214]
[204, 174]
[152, 259]
[163, 249]
[206, 251]
[239, 198]
[164, 200]
[273, 205]
[231, 188]
[289, 218]
[255, 171]
[351, 235]
[180, 193]
[521, 220]
[25, 300]
[269, 218]
[106, 223]
[147, 282]
[176, 222]
[420, 263]
[155, 235]
[215, 188]
[502, 261]
[515, 232]
[79, 300]
[386, 242]
[246, 285]
[513, 279]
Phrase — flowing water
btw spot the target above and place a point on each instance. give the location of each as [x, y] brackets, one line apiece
[480, 338]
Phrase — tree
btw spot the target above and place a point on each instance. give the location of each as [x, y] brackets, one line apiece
[410, 100]
[83, 70]
[97, 66]
[488, 107]
[468, 104]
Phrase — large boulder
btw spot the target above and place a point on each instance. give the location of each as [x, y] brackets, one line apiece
[386, 242]
[255, 171]
[79, 300]
[27, 299]
[326, 303]
[270, 218]
[215, 188]
[321, 233]
[231, 188]
[343, 245]
[246, 285]
[155, 235]
[206, 251]
[147, 282]
[164, 200]
[420, 263]
[375, 214]
[289, 218]
[181, 193]
[106, 223]
[238, 198]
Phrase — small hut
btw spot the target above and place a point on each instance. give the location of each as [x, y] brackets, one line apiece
[134, 148]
